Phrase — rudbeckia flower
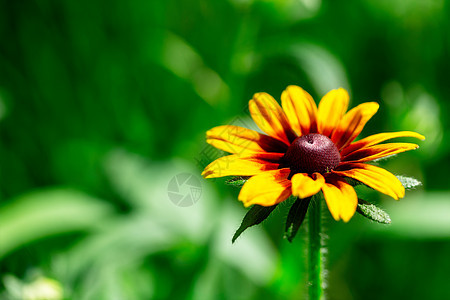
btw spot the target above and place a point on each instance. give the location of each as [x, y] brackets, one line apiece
[307, 149]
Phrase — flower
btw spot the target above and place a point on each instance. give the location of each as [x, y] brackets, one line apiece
[307, 149]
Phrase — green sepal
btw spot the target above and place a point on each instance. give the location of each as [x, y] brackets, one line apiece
[372, 212]
[409, 182]
[237, 181]
[295, 217]
[254, 216]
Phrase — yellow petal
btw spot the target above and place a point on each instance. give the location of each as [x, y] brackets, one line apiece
[378, 138]
[300, 109]
[353, 123]
[341, 199]
[269, 116]
[375, 177]
[266, 189]
[379, 151]
[348, 201]
[304, 186]
[234, 165]
[331, 109]
[242, 141]
[332, 195]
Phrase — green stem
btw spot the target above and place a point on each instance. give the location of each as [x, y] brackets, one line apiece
[315, 255]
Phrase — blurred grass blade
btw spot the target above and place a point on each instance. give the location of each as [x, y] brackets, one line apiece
[254, 256]
[372, 212]
[254, 216]
[184, 61]
[45, 213]
[324, 70]
[295, 217]
[422, 216]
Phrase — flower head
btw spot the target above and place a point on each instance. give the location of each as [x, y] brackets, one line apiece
[307, 149]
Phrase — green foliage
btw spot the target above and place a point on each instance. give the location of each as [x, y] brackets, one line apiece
[372, 212]
[409, 182]
[81, 79]
[295, 217]
[254, 216]
[48, 212]
[237, 181]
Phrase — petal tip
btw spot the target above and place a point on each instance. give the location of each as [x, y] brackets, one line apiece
[259, 95]
[343, 91]
[244, 199]
[247, 204]
[375, 105]
[346, 219]
[207, 174]
[336, 217]
[294, 87]
[401, 195]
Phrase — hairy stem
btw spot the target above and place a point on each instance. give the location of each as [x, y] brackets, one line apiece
[315, 258]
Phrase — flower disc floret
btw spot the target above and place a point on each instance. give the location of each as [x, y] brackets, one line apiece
[312, 153]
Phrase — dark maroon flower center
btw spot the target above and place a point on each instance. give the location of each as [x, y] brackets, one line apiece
[312, 153]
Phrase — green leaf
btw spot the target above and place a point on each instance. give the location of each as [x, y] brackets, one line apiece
[295, 217]
[254, 216]
[383, 158]
[237, 181]
[409, 182]
[372, 212]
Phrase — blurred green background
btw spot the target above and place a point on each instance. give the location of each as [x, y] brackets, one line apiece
[102, 103]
